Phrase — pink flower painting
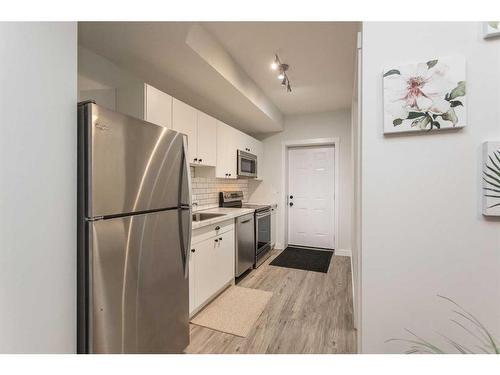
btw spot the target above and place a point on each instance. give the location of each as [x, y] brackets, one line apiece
[425, 96]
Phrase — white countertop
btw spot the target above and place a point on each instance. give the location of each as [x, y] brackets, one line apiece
[229, 213]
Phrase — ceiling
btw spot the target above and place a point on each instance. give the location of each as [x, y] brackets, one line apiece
[320, 55]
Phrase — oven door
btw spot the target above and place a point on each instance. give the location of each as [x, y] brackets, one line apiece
[263, 236]
[247, 164]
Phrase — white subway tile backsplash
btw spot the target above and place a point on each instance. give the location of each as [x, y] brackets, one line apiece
[205, 190]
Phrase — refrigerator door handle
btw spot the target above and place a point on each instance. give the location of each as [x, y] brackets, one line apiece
[188, 174]
[186, 206]
[186, 245]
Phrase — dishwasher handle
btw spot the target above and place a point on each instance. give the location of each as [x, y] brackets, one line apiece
[245, 219]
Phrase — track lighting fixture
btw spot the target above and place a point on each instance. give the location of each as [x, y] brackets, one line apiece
[282, 69]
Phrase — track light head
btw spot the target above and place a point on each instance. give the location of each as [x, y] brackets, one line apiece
[282, 76]
[276, 63]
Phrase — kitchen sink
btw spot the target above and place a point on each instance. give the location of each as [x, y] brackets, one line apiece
[205, 216]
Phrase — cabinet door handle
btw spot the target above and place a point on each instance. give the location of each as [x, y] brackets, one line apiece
[216, 240]
[193, 250]
[217, 227]
[220, 238]
[199, 161]
[195, 159]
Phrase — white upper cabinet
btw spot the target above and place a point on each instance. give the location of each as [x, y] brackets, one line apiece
[207, 140]
[201, 130]
[158, 107]
[145, 102]
[246, 143]
[211, 143]
[227, 144]
[184, 118]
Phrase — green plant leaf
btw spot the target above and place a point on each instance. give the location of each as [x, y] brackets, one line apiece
[413, 115]
[456, 103]
[486, 342]
[495, 154]
[493, 24]
[493, 162]
[397, 122]
[494, 184]
[494, 190]
[477, 323]
[461, 348]
[431, 63]
[450, 116]
[421, 122]
[492, 177]
[391, 72]
[457, 91]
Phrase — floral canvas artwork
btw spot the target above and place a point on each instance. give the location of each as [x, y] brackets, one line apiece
[425, 96]
[491, 29]
[491, 178]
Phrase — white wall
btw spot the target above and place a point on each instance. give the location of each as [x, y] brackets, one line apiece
[422, 229]
[109, 85]
[38, 187]
[318, 125]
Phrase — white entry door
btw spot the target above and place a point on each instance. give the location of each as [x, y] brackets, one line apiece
[311, 192]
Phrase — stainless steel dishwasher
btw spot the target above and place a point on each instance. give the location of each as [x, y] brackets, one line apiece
[245, 243]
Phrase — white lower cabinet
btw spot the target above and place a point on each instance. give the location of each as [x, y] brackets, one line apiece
[211, 263]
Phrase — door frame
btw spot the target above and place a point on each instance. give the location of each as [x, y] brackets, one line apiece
[285, 146]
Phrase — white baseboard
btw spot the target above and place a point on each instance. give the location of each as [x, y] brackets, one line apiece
[343, 252]
[278, 246]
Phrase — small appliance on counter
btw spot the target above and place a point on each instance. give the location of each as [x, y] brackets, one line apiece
[262, 226]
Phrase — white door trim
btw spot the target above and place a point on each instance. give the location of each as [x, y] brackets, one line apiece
[285, 145]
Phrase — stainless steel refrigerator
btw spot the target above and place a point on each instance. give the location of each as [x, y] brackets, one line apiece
[134, 233]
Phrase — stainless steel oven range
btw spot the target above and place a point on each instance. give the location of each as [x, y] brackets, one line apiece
[262, 227]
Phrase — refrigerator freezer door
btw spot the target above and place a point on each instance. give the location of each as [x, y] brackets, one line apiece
[139, 298]
[131, 165]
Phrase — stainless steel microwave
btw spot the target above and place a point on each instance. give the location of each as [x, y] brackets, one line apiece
[247, 164]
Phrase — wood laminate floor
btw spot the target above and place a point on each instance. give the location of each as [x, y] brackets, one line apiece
[309, 312]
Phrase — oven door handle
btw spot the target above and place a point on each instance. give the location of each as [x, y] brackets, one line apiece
[263, 214]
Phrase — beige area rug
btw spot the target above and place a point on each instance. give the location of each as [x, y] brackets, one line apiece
[235, 311]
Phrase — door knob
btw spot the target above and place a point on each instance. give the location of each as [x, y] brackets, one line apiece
[291, 204]
[291, 196]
